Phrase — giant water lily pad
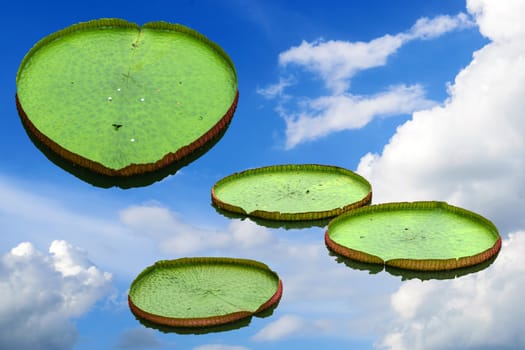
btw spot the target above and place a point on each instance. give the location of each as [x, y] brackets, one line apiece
[429, 236]
[123, 100]
[203, 292]
[292, 192]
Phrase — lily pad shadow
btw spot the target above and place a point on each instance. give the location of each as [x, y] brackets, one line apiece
[275, 224]
[412, 274]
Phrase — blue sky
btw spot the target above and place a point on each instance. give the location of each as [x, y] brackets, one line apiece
[423, 98]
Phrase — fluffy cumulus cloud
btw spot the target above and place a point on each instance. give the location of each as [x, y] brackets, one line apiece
[498, 20]
[40, 293]
[478, 311]
[336, 62]
[469, 151]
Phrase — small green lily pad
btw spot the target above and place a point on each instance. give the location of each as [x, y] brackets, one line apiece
[427, 236]
[292, 192]
[123, 100]
[203, 292]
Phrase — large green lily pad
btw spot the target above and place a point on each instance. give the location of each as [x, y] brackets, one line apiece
[203, 292]
[292, 192]
[123, 100]
[429, 236]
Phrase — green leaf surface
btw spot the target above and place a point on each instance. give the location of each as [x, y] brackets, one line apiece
[197, 288]
[403, 233]
[117, 94]
[297, 192]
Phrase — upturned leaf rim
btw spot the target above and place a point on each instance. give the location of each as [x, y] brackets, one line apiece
[212, 320]
[287, 216]
[132, 169]
[410, 263]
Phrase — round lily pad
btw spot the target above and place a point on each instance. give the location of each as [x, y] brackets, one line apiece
[292, 192]
[122, 100]
[426, 236]
[203, 292]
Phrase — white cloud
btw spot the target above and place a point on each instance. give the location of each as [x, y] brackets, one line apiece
[283, 327]
[176, 236]
[277, 89]
[247, 234]
[499, 20]
[220, 347]
[429, 28]
[328, 114]
[40, 294]
[481, 310]
[336, 62]
[330, 326]
[40, 213]
[470, 150]
[66, 260]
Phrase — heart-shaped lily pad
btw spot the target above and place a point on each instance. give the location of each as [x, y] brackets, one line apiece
[123, 100]
[427, 236]
[203, 292]
[292, 192]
